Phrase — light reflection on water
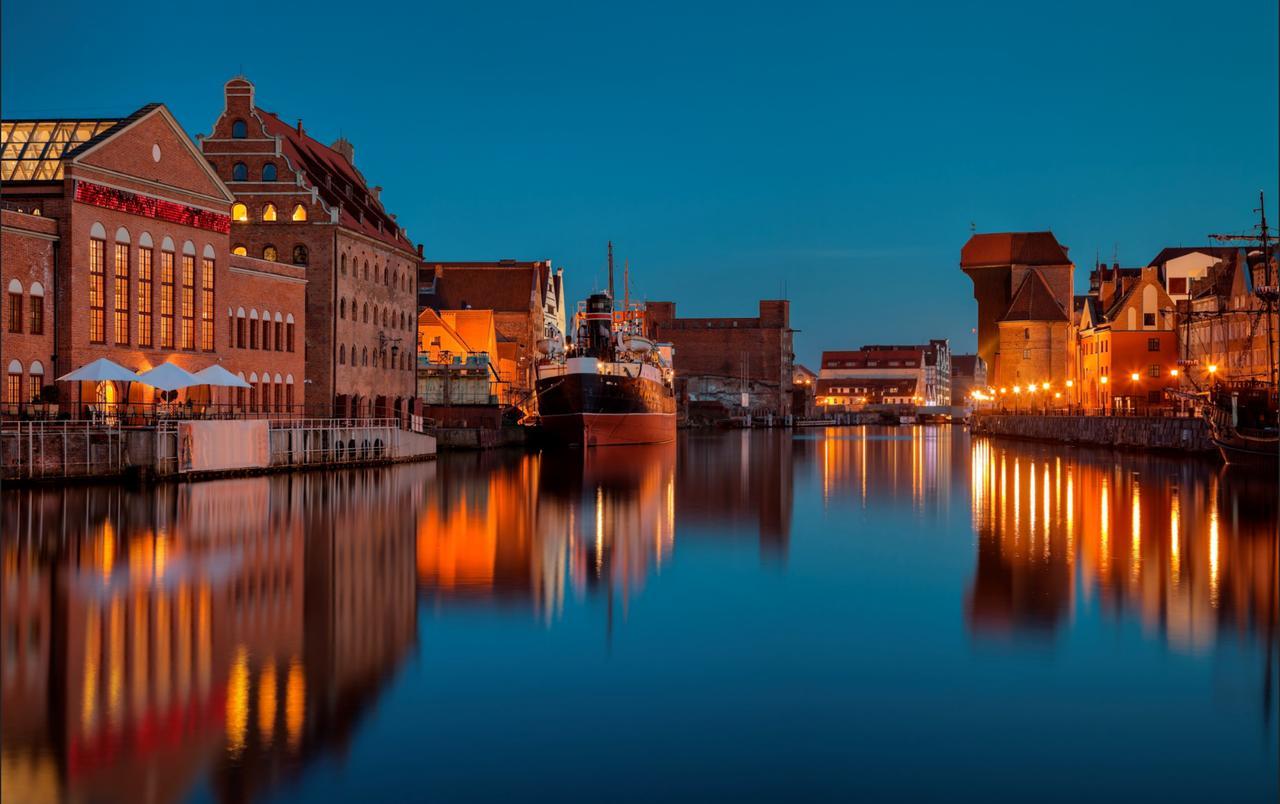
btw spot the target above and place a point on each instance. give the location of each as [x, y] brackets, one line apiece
[757, 613]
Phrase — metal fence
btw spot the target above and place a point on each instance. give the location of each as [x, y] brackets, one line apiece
[84, 448]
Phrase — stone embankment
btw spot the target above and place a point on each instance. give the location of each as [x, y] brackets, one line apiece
[1124, 432]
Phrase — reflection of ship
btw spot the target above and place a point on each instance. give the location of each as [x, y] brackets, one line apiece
[611, 387]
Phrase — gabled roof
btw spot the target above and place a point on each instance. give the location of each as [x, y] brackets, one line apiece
[1013, 248]
[1033, 301]
[504, 289]
[337, 181]
[1181, 251]
[964, 365]
[35, 149]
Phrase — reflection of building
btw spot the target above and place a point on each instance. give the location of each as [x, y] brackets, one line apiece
[735, 483]
[1190, 552]
[914, 471]
[174, 628]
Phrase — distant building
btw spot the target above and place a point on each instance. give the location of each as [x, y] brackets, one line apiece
[458, 359]
[1223, 325]
[855, 393]
[1023, 284]
[1182, 266]
[929, 365]
[303, 203]
[718, 360]
[804, 390]
[968, 374]
[1127, 340]
[527, 300]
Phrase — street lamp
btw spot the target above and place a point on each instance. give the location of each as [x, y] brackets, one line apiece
[1106, 399]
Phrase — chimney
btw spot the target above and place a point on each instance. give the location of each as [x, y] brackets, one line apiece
[419, 251]
[343, 146]
[377, 194]
[299, 126]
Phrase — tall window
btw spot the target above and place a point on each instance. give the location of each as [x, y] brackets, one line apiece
[122, 293]
[37, 314]
[240, 330]
[299, 255]
[15, 310]
[13, 387]
[253, 331]
[145, 289]
[97, 291]
[231, 328]
[279, 333]
[188, 301]
[1153, 370]
[266, 332]
[206, 304]
[166, 299]
[288, 333]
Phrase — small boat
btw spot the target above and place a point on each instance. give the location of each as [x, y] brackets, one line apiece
[1242, 422]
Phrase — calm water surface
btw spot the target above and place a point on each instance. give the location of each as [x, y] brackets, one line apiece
[900, 613]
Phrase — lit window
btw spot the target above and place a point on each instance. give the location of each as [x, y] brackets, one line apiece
[239, 212]
[269, 212]
[166, 299]
[145, 290]
[97, 291]
[239, 130]
[269, 172]
[270, 253]
[299, 213]
[15, 306]
[37, 310]
[240, 251]
[121, 319]
[206, 304]
[188, 301]
[239, 172]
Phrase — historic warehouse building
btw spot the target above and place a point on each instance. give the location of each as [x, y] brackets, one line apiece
[115, 243]
[302, 203]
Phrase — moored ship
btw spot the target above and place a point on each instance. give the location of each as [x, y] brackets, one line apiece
[608, 387]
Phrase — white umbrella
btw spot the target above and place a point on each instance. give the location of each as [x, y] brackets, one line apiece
[100, 370]
[168, 377]
[217, 375]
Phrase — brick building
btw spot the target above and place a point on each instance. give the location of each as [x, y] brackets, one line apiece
[1127, 341]
[719, 359]
[526, 297]
[116, 245]
[1223, 324]
[927, 366]
[1023, 284]
[968, 374]
[302, 203]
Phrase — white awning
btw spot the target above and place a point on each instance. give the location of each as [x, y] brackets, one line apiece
[100, 370]
[217, 375]
[168, 377]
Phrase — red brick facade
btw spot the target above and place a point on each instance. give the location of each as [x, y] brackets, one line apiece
[142, 273]
[301, 203]
[29, 244]
[713, 355]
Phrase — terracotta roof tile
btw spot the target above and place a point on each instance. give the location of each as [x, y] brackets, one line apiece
[1013, 248]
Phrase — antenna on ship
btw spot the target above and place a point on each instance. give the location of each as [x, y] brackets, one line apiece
[610, 270]
[626, 293]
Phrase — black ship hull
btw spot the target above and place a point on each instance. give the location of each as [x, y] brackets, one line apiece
[588, 409]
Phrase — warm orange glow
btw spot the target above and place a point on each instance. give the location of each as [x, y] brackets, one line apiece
[1044, 386]
[269, 212]
[295, 703]
[1213, 369]
[238, 702]
[1134, 376]
[239, 212]
[1017, 389]
[299, 213]
[1103, 380]
[267, 702]
[1173, 372]
[1071, 383]
[240, 251]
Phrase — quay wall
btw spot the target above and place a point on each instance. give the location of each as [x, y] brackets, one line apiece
[1125, 432]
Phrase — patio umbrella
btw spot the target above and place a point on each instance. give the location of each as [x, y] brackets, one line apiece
[217, 375]
[100, 370]
[168, 377]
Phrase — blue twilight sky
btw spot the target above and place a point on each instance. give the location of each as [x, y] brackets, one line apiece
[730, 148]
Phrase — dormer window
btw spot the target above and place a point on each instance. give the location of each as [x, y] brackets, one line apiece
[239, 130]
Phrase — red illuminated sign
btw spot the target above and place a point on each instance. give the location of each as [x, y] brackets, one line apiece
[148, 207]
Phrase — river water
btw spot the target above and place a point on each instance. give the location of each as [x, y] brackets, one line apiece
[851, 613]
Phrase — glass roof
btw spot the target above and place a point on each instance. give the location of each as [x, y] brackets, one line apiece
[32, 150]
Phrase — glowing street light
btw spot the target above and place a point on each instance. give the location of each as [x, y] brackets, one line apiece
[1173, 372]
[1044, 386]
[1213, 369]
[1017, 389]
[1134, 376]
[1071, 383]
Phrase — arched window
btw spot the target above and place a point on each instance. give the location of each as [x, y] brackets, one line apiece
[342, 308]
[288, 332]
[366, 312]
[239, 250]
[270, 253]
[375, 358]
[239, 130]
[269, 171]
[299, 213]
[253, 391]
[375, 315]
[36, 377]
[239, 172]
[269, 212]
[366, 269]
[240, 333]
[253, 329]
[342, 354]
[13, 384]
[288, 390]
[279, 333]
[266, 330]
[364, 356]
[384, 316]
[299, 254]
[239, 212]
[15, 306]
[342, 263]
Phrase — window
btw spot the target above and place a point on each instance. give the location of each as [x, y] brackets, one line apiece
[145, 293]
[279, 333]
[1026, 333]
[239, 212]
[253, 329]
[366, 312]
[15, 306]
[342, 308]
[37, 310]
[270, 253]
[1153, 370]
[188, 301]
[342, 263]
[239, 130]
[240, 251]
[269, 212]
[364, 356]
[366, 269]
[1177, 285]
[1026, 354]
[239, 172]
[299, 254]
[342, 354]
[269, 172]
[299, 213]
[97, 291]
[266, 332]
[36, 381]
[166, 299]
[1153, 344]
[288, 391]
[121, 318]
[240, 328]
[1148, 319]
[13, 384]
[288, 332]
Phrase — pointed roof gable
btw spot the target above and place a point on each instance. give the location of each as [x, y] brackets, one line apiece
[1013, 248]
[1033, 301]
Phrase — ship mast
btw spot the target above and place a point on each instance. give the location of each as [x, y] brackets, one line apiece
[610, 270]
[626, 295]
[1268, 292]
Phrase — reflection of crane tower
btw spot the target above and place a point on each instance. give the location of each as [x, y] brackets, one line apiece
[1267, 293]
